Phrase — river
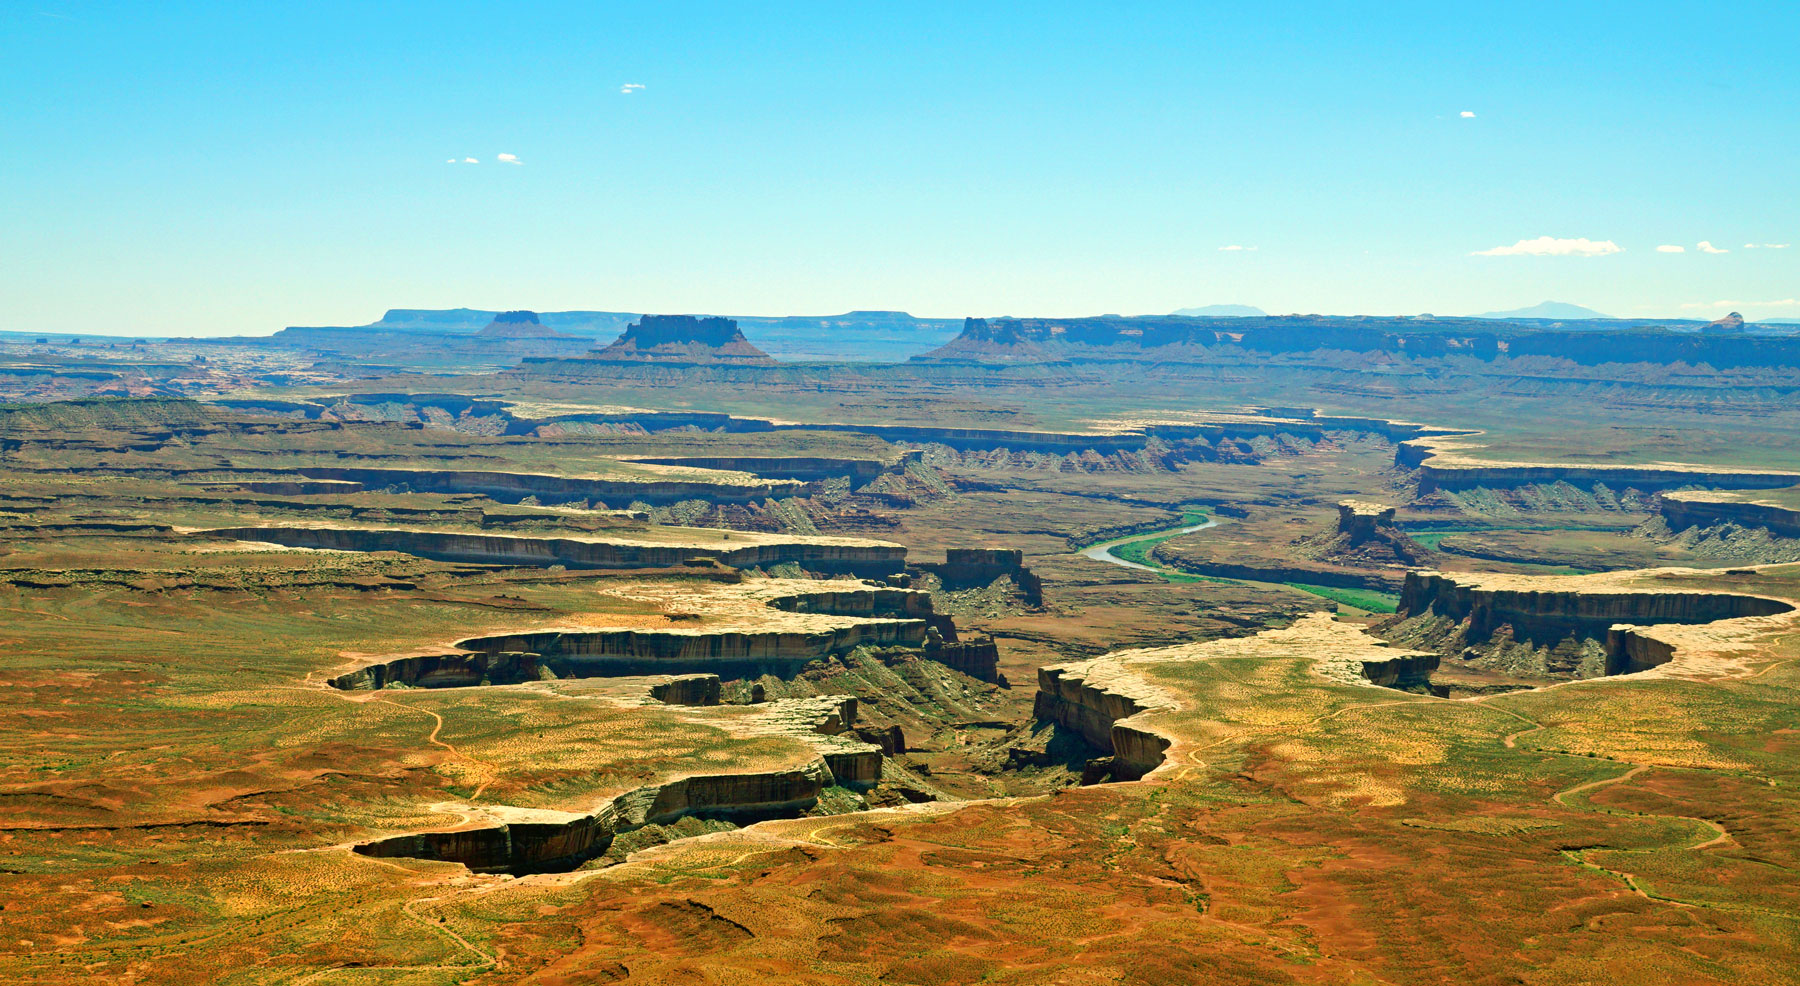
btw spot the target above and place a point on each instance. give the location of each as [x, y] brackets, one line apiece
[1103, 551]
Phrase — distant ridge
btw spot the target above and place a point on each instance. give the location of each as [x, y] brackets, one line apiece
[1547, 309]
[1222, 311]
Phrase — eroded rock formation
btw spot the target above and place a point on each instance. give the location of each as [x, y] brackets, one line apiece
[1095, 700]
[825, 555]
[683, 339]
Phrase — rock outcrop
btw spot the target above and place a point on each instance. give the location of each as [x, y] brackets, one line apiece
[728, 653]
[521, 841]
[525, 840]
[835, 556]
[971, 568]
[514, 486]
[1096, 701]
[1684, 509]
[982, 341]
[687, 689]
[519, 325]
[444, 671]
[1549, 615]
[683, 340]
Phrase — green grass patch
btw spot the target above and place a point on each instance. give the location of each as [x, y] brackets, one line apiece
[1364, 599]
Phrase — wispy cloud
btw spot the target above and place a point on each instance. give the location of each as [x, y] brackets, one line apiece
[470, 160]
[1551, 246]
[1671, 248]
[1767, 246]
[510, 159]
[630, 87]
[1236, 248]
[1468, 114]
[1705, 247]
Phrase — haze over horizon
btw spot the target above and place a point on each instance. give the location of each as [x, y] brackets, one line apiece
[196, 169]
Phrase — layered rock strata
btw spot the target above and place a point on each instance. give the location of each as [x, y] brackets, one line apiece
[513, 486]
[848, 556]
[1549, 614]
[1688, 508]
[1096, 700]
[508, 839]
[728, 653]
[444, 671]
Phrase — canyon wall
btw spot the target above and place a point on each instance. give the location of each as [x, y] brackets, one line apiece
[1630, 649]
[507, 486]
[1070, 696]
[1683, 510]
[874, 560]
[727, 653]
[1548, 616]
[1465, 474]
[444, 671]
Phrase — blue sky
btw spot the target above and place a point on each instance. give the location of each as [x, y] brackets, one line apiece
[234, 168]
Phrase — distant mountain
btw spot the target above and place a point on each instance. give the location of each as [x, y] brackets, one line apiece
[683, 339]
[1547, 309]
[1001, 340]
[519, 325]
[1222, 311]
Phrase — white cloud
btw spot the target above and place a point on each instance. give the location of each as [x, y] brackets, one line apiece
[510, 159]
[451, 161]
[1767, 246]
[1705, 247]
[1671, 248]
[630, 87]
[1236, 248]
[470, 160]
[1550, 246]
[1468, 114]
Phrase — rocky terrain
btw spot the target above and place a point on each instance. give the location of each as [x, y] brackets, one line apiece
[661, 670]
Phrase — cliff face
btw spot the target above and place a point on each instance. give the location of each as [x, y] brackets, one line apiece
[872, 560]
[742, 795]
[687, 689]
[1070, 696]
[795, 467]
[1466, 474]
[970, 568]
[728, 653]
[531, 842]
[1549, 616]
[683, 339]
[444, 671]
[514, 486]
[1683, 510]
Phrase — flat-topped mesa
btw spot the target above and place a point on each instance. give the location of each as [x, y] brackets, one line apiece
[519, 325]
[683, 340]
[982, 341]
[1362, 520]
[974, 568]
